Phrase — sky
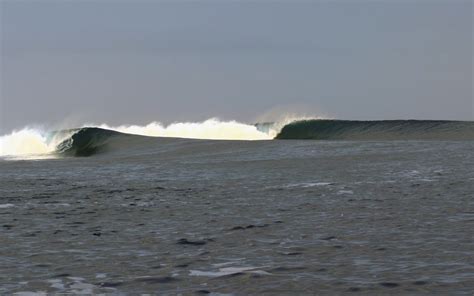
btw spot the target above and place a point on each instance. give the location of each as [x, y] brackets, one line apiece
[134, 62]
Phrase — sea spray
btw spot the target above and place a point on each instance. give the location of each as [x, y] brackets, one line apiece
[25, 141]
[32, 142]
[212, 129]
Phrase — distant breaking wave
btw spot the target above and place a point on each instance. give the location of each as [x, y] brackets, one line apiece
[87, 141]
[378, 130]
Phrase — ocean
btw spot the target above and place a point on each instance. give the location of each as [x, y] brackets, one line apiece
[321, 207]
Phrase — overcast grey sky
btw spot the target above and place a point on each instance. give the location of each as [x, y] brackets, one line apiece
[124, 62]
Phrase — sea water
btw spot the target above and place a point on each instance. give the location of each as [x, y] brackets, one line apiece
[180, 216]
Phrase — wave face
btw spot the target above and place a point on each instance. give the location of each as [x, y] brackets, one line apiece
[378, 130]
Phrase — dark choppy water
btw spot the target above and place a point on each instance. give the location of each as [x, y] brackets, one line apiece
[275, 217]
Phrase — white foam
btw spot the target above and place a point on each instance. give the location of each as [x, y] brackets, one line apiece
[30, 143]
[26, 141]
[223, 264]
[316, 184]
[80, 288]
[76, 278]
[100, 275]
[228, 271]
[212, 129]
[307, 185]
[56, 284]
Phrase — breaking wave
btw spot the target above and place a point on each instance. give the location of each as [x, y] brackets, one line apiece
[378, 130]
[86, 141]
[35, 142]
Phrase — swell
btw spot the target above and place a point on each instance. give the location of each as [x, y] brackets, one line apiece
[321, 129]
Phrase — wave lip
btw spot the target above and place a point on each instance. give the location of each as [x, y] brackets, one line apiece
[321, 129]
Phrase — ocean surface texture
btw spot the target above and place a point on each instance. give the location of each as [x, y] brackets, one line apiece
[182, 216]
